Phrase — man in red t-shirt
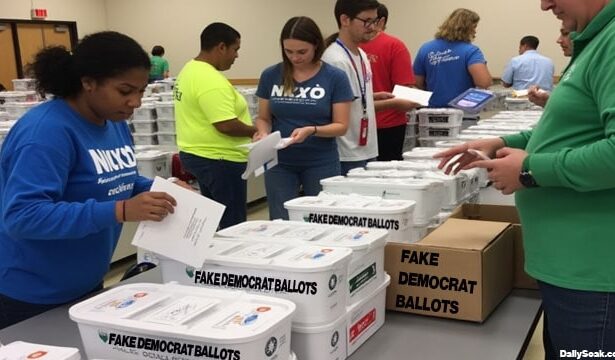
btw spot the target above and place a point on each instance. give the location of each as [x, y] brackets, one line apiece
[391, 65]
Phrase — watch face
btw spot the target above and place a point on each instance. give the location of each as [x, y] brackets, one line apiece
[526, 179]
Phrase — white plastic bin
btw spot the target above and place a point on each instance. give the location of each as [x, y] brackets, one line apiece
[431, 141]
[13, 96]
[154, 321]
[18, 109]
[4, 116]
[20, 350]
[448, 143]
[517, 103]
[167, 138]
[366, 317]
[339, 339]
[457, 187]
[409, 143]
[440, 117]
[147, 111]
[145, 126]
[166, 126]
[24, 84]
[311, 276]
[366, 269]
[166, 96]
[145, 139]
[421, 153]
[355, 210]
[153, 163]
[439, 131]
[165, 110]
[428, 194]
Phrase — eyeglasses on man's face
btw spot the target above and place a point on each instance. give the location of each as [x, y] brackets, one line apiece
[368, 22]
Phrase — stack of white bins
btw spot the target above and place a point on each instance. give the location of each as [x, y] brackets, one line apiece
[428, 194]
[144, 124]
[396, 216]
[438, 124]
[17, 103]
[170, 321]
[165, 110]
[412, 131]
[366, 284]
[251, 99]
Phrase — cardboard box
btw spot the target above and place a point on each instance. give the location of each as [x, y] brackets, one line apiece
[462, 270]
[505, 214]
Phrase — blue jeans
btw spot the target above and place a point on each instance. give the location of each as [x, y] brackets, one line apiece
[221, 181]
[283, 183]
[577, 320]
[349, 165]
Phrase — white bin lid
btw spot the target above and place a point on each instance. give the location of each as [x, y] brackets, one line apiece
[208, 315]
[418, 184]
[420, 153]
[164, 103]
[439, 111]
[23, 350]
[350, 204]
[292, 257]
[151, 155]
[355, 238]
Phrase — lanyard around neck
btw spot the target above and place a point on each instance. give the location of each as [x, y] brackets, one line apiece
[362, 86]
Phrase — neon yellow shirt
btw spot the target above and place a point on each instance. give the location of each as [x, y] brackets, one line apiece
[203, 97]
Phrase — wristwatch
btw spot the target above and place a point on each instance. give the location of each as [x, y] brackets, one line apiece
[526, 179]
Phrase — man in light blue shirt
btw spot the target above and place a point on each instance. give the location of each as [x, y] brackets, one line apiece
[529, 68]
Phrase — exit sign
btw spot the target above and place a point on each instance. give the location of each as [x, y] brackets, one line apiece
[38, 13]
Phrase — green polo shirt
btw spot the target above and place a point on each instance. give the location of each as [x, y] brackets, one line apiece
[569, 221]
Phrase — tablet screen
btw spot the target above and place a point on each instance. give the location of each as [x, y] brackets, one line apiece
[472, 100]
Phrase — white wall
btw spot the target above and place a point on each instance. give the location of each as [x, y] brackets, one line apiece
[89, 14]
[177, 24]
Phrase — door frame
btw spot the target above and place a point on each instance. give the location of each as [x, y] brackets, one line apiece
[72, 30]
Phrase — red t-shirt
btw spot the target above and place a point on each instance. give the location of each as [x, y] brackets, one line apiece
[391, 65]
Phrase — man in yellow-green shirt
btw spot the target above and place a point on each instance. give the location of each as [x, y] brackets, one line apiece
[212, 119]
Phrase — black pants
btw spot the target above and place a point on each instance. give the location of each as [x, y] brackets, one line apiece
[391, 143]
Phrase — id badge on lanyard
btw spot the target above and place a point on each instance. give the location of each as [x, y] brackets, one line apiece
[364, 124]
[363, 130]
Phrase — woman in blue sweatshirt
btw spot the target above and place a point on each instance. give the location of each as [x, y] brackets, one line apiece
[68, 176]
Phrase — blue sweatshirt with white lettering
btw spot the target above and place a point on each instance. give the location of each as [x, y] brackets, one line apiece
[60, 177]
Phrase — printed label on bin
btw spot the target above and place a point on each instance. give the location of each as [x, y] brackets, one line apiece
[181, 310]
[347, 235]
[311, 255]
[362, 278]
[252, 282]
[127, 302]
[304, 233]
[352, 220]
[158, 348]
[258, 251]
[246, 315]
[361, 326]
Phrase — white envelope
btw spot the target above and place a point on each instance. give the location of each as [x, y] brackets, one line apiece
[418, 96]
[263, 155]
[185, 235]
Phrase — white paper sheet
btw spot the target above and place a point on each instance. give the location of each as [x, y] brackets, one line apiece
[418, 96]
[263, 155]
[186, 234]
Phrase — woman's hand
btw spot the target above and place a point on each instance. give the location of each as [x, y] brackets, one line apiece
[300, 134]
[149, 205]
[538, 96]
[458, 158]
[259, 135]
[504, 171]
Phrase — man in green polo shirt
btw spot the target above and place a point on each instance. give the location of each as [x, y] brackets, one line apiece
[563, 176]
[212, 120]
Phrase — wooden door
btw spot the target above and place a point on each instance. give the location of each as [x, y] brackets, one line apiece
[8, 69]
[56, 35]
[30, 42]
